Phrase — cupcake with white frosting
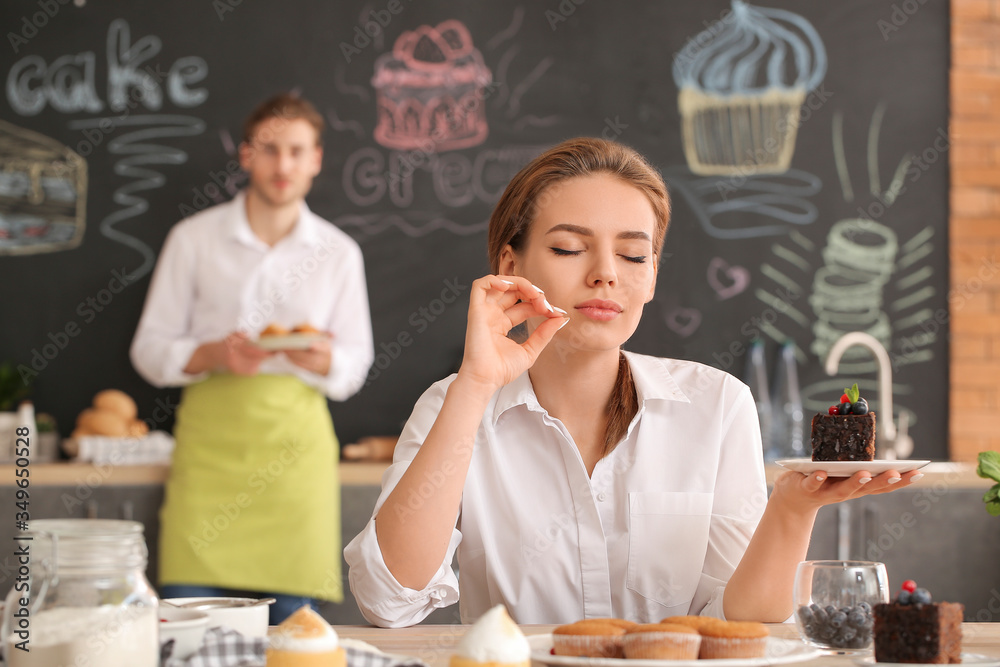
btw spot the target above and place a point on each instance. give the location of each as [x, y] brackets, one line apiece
[742, 83]
[305, 639]
[493, 641]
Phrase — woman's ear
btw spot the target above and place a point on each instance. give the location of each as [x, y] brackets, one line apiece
[508, 265]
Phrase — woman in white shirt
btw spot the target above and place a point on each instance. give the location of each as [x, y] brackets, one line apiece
[573, 479]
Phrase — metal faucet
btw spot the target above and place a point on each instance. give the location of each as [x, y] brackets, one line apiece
[893, 443]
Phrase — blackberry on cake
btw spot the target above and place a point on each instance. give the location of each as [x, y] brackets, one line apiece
[847, 432]
[915, 629]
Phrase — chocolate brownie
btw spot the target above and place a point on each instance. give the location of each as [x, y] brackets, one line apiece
[843, 437]
[919, 633]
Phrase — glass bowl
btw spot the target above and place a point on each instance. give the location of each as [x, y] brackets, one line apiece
[834, 601]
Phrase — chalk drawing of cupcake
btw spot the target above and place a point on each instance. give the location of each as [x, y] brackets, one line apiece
[429, 90]
[742, 82]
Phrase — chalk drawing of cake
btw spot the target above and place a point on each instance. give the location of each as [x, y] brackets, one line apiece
[742, 82]
[429, 90]
[43, 193]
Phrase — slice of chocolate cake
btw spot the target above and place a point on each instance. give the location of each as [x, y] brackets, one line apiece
[912, 629]
[847, 433]
[843, 437]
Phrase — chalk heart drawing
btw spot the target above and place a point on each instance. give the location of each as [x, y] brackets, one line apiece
[726, 280]
[684, 321]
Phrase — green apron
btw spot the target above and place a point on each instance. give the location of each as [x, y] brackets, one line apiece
[253, 498]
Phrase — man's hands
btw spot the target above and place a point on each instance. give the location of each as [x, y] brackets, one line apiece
[316, 359]
[237, 354]
[240, 356]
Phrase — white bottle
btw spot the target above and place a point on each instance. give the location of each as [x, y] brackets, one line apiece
[25, 420]
[756, 379]
[788, 439]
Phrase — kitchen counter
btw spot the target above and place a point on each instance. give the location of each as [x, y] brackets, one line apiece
[69, 473]
[434, 644]
[953, 475]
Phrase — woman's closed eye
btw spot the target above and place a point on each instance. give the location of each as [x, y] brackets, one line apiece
[563, 252]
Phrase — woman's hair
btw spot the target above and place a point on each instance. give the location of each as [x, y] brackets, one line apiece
[516, 210]
[288, 107]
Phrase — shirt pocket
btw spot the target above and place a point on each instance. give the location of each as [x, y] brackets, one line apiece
[668, 539]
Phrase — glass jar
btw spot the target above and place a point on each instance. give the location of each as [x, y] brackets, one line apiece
[81, 597]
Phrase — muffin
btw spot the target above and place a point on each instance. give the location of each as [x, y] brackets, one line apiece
[493, 641]
[733, 639]
[696, 622]
[274, 329]
[661, 641]
[620, 622]
[589, 639]
[304, 639]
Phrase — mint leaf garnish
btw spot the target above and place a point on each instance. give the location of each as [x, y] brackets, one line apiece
[853, 393]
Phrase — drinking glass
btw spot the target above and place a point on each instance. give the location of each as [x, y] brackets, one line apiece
[834, 600]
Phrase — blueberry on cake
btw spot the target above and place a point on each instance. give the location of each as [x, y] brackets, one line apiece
[847, 433]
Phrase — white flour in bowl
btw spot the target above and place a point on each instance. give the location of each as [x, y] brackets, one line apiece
[90, 637]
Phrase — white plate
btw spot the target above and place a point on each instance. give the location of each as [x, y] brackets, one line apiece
[848, 468]
[293, 341]
[779, 651]
[967, 659]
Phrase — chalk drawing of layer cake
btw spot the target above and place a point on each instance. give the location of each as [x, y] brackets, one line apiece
[742, 83]
[43, 193]
[429, 90]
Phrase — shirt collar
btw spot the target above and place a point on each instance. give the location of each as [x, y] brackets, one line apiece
[303, 233]
[653, 381]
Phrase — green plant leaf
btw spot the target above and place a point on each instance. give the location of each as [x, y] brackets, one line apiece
[853, 393]
[989, 465]
[992, 494]
[12, 388]
[993, 507]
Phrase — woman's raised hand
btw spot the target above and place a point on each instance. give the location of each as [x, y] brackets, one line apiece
[496, 305]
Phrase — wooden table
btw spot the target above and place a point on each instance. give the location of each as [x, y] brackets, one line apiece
[434, 644]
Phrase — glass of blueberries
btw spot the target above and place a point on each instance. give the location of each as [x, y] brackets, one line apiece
[834, 601]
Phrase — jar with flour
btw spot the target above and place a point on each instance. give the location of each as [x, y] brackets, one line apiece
[81, 597]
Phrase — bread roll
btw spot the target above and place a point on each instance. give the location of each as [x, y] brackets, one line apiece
[305, 328]
[137, 429]
[118, 402]
[103, 422]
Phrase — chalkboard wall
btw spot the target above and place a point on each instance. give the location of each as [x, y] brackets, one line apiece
[835, 113]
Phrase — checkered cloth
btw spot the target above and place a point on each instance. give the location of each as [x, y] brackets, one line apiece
[223, 647]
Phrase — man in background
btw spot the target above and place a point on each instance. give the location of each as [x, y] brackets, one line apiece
[252, 504]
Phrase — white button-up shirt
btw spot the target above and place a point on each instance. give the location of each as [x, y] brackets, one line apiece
[657, 530]
[215, 276]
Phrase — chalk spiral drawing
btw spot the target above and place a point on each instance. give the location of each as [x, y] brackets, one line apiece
[742, 83]
[861, 263]
[750, 206]
[43, 193]
[139, 152]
